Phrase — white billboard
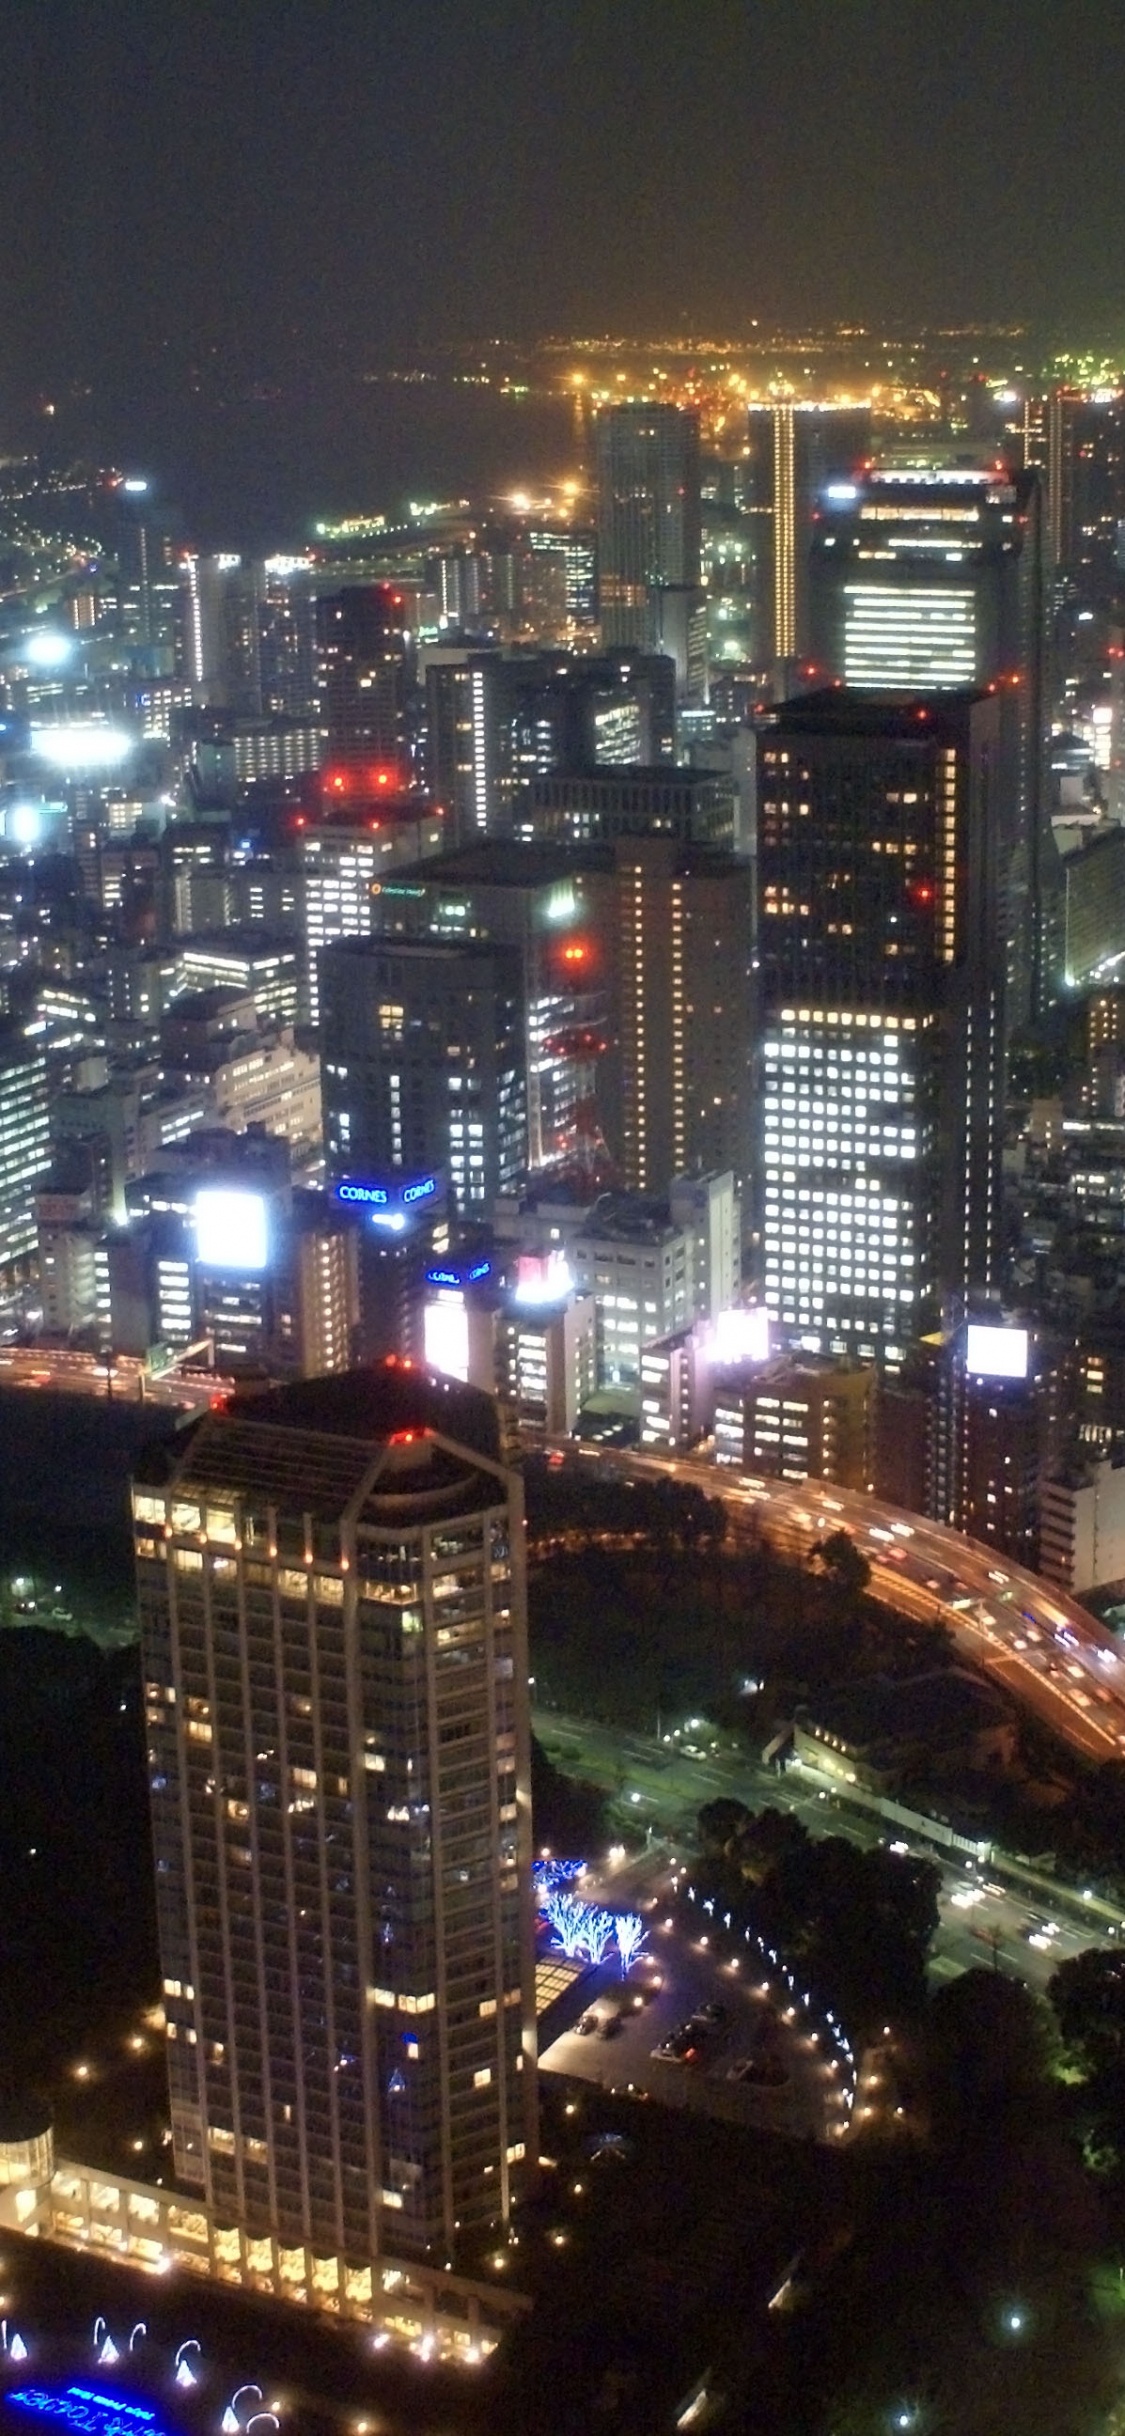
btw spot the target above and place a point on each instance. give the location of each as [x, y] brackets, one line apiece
[445, 1335]
[739, 1336]
[231, 1228]
[996, 1353]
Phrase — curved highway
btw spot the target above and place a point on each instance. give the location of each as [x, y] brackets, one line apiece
[1039, 1644]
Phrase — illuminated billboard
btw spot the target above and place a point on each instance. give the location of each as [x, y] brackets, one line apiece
[740, 1336]
[542, 1278]
[996, 1353]
[392, 1199]
[445, 1335]
[231, 1228]
[84, 745]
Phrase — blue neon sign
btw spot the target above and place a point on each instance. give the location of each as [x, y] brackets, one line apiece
[459, 1277]
[77, 2406]
[385, 1196]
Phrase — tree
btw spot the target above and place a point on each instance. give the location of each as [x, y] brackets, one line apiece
[842, 1564]
[1087, 1995]
[991, 2055]
[720, 1823]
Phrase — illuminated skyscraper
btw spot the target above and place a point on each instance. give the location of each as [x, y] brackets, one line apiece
[342, 861]
[498, 720]
[1077, 440]
[685, 1002]
[25, 1148]
[333, 1628]
[927, 573]
[795, 450]
[423, 1064]
[362, 650]
[649, 521]
[882, 989]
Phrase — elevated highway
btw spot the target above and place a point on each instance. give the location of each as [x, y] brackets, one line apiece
[1038, 1644]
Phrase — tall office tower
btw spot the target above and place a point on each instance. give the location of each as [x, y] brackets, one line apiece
[635, 990]
[498, 720]
[649, 528]
[340, 865]
[685, 1011]
[1077, 440]
[343, 863]
[795, 451]
[220, 625]
[287, 638]
[148, 585]
[578, 551]
[423, 1064]
[25, 1148]
[362, 662]
[928, 574]
[882, 987]
[333, 1628]
[557, 905]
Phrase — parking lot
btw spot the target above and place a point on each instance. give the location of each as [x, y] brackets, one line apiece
[734, 2047]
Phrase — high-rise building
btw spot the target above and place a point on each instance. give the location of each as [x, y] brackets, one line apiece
[558, 906]
[362, 660]
[576, 550]
[685, 1011]
[333, 1629]
[882, 991]
[423, 1064]
[795, 451]
[343, 862]
[1077, 440]
[649, 517]
[25, 1147]
[498, 720]
[927, 574]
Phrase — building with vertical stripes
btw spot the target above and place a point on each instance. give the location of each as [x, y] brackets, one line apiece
[333, 1624]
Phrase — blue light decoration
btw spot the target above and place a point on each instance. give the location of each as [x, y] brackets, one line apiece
[463, 1274]
[385, 1196]
[584, 1932]
[629, 1936]
[79, 2406]
[548, 1874]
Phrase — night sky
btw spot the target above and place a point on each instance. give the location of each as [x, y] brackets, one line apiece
[259, 176]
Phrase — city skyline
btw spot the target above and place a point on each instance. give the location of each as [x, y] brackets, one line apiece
[188, 182]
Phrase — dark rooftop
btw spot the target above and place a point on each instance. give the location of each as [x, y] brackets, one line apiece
[835, 710]
[376, 1403]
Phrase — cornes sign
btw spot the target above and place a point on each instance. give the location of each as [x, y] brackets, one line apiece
[397, 1195]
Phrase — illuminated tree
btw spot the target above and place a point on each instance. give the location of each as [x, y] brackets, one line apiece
[568, 1919]
[599, 1934]
[629, 1932]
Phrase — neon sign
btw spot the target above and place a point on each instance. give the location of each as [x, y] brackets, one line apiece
[77, 2406]
[459, 1277]
[384, 1196]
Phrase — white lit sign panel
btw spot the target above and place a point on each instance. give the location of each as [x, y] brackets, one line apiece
[740, 1336]
[445, 1335]
[542, 1279]
[996, 1353]
[231, 1229]
[84, 746]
